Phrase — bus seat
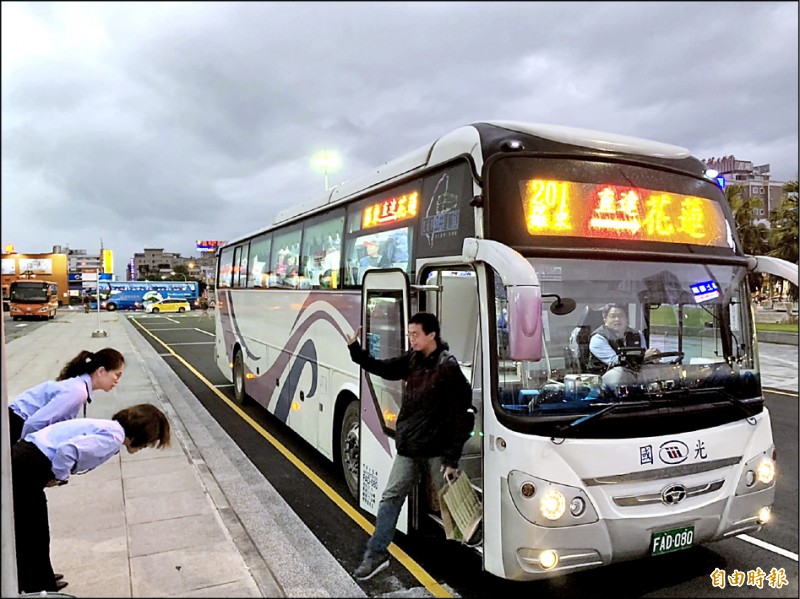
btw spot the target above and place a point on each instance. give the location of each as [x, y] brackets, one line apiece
[590, 320]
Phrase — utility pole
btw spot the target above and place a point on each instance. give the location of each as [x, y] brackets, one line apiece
[8, 578]
[98, 332]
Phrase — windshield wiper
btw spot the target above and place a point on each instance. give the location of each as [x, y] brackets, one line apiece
[572, 426]
[739, 403]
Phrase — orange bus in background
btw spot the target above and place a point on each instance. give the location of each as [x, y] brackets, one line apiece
[33, 299]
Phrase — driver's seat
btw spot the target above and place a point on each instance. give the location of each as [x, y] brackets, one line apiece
[590, 320]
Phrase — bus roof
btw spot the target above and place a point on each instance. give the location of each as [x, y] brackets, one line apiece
[466, 140]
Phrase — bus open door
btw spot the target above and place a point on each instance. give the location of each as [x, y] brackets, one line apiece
[384, 321]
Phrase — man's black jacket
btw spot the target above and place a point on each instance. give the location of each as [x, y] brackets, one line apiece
[435, 418]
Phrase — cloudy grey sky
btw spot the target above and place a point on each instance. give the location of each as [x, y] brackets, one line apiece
[157, 124]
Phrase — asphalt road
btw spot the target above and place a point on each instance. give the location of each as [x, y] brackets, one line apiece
[682, 574]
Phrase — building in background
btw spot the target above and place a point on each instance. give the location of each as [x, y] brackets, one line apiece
[51, 267]
[155, 263]
[754, 182]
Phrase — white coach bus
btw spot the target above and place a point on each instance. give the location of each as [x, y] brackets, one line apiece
[517, 235]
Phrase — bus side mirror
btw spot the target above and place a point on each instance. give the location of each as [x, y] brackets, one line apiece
[524, 323]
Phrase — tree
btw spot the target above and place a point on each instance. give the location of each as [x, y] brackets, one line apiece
[783, 235]
[181, 269]
[752, 236]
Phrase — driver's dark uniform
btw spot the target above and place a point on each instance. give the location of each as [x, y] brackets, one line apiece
[598, 366]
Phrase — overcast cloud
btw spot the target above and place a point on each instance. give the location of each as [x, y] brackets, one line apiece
[157, 124]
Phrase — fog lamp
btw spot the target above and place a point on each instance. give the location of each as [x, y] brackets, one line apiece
[764, 514]
[548, 559]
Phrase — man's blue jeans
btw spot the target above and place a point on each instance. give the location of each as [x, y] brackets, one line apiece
[404, 476]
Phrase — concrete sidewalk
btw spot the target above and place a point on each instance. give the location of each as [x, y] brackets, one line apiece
[194, 520]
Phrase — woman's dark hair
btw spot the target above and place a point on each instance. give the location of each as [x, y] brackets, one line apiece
[429, 324]
[145, 425]
[87, 362]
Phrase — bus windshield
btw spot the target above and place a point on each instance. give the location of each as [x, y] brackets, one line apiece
[29, 293]
[694, 315]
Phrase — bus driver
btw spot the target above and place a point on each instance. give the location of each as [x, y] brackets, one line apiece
[607, 339]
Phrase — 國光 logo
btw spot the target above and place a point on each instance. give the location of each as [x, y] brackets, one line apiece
[673, 452]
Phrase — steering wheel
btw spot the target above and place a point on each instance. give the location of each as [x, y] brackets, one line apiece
[677, 355]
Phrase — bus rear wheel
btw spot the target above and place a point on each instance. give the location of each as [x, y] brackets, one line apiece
[239, 392]
[350, 447]
[111, 307]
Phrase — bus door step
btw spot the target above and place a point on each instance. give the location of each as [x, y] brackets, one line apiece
[438, 520]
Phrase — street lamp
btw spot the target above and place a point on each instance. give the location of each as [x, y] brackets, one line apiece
[173, 273]
[328, 162]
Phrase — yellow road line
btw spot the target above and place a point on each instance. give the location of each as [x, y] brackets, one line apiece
[408, 562]
[779, 392]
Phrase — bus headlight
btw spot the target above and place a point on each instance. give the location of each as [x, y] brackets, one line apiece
[545, 502]
[553, 504]
[759, 473]
[577, 506]
[766, 471]
[548, 559]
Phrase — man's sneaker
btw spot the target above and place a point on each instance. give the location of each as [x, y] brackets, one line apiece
[370, 567]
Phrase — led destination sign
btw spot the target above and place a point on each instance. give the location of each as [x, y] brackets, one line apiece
[566, 208]
[391, 210]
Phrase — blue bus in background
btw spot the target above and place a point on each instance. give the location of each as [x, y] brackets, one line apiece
[134, 295]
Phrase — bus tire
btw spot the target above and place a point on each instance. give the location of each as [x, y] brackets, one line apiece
[239, 391]
[350, 447]
[111, 307]
[156, 310]
[181, 310]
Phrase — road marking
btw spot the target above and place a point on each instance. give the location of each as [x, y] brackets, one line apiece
[174, 329]
[172, 320]
[205, 332]
[194, 343]
[768, 546]
[780, 392]
[406, 560]
[224, 385]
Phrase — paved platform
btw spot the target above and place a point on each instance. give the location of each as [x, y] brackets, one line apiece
[193, 520]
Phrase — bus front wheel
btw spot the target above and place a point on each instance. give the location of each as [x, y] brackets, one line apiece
[239, 392]
[350, 447]
[111, 307]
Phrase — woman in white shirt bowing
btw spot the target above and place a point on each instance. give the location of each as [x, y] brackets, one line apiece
[62, 399]
[46, 458]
